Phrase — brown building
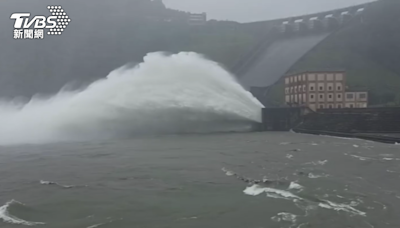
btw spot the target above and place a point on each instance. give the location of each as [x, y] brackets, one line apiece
[322, 90]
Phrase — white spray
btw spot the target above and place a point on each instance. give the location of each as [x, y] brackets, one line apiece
[180, 93]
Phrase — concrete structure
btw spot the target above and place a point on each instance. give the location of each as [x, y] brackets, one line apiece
[286, 41]
[356, 99]
[197, 19]
[322, 90]
[320, 21]
[282, 119]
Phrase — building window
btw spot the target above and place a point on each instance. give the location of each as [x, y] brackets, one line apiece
[339, 96]
[330, 106]
[312, 88]
[339, 106]
[321, 96]
[349, 96]
[312, 96]
[321, 88]
[321, 106]
[351, 106]
[339, 88]
[363, 96]
[330, 88]
[330, 96]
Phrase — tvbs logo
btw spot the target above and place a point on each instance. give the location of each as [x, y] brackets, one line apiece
[56, 24]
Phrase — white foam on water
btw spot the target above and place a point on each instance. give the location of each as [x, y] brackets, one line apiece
[96, 225]
[8, 218]
[254, 190]
[289, 156]
[228, 172]
[43, 182]
[322, 162]
[301, 225]
[354, 203]
[301, 202]
[356, 146]
[341, 207]
[317, 162]
[275, 196]
[296, 186]
[313, 176]
[361, 158]
[166, 94]
[284, 216]
[284, 143]
[188, 218]
[257, 190]
[391, 159]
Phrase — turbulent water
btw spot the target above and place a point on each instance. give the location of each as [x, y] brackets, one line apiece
[162, 179]
[180, 93]
[235, 180]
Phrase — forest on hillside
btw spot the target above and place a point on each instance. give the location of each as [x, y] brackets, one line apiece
[104, 35]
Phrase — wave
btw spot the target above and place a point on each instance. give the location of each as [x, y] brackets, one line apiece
[283, 194]
[60, 185]
[165, 94]
[250, 181]
[8, 218]
[295, 186]
[284, 216]
[96, 225]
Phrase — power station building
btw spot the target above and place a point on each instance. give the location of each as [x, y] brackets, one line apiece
[322, 90]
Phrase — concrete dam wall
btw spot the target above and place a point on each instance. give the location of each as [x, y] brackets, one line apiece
[288, 41]
[278, 58]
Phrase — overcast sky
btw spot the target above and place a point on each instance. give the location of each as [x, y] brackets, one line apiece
[255, 10]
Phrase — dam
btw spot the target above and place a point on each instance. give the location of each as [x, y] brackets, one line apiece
[287, 41]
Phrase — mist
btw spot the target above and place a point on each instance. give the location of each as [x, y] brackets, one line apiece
[166, 94]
